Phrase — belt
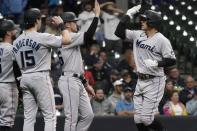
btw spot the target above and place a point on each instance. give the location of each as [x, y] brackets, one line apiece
[81, 77]
[145, 76]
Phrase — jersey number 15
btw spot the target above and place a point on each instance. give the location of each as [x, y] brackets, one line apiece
[27, 58]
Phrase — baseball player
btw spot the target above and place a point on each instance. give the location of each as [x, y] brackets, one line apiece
[8, 87]
[72, 84]
[32, 51]
[152, 52]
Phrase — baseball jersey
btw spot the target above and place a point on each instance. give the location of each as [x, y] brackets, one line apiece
[70, 55]
[32, 51]
[85, 20]
[155, 47]
[6, 63]
[110, 24]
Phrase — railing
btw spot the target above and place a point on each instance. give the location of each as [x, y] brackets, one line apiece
[114, 123]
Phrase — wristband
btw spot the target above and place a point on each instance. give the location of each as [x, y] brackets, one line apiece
[61, 26]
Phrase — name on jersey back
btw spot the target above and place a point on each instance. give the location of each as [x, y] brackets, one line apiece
[26, 42]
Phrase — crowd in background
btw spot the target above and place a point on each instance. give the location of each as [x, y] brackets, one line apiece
[108, 61]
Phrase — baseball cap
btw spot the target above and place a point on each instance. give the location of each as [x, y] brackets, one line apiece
[128, 89]
[32, 15]
[124, 72]
[117, 82]
[69, 17]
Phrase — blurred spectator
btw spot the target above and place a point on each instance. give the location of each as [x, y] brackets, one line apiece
[89, 58]
[53, 3]
[44, 15]
[13, 9]
[187, 93]
[1, 17]
[86, 16]
[174, 107]
[127, 63]
[100, 105]
[128, 81]
[117, 94]
[178, 81]
[114, 75]
[125, 107]
[36, 3]
[169, 88]
[108, 64]
[89, 77]
[98, 71]
[191, 105]
[71, 5]
[111, 16]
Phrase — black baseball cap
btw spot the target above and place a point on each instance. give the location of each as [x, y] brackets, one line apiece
[128, 89]
[32, 15]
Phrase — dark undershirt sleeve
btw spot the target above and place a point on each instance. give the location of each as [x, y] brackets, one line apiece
[121, 28]
[88, 35]
[166, 62]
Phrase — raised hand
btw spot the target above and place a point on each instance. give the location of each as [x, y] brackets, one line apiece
[97, 9]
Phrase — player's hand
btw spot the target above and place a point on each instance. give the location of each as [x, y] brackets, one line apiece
[90, 90]
[133, 11]
[97, 9]
[151, 63]
[56, 20]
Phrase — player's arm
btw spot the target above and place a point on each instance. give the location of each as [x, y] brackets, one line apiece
[88, 35]
[122, 26]
[166, 62]
[167, 52]
[17, 72]
[66, 39]
[168, 56]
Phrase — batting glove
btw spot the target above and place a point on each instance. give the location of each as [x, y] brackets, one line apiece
[133, 11]
[151, 63]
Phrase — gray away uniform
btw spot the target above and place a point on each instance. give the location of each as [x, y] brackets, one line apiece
[150, 91]
[8, 88]
[32, 51]
[76, 102]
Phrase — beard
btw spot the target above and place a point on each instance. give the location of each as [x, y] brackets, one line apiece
[13, 37]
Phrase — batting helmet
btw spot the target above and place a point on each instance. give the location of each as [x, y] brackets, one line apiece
[153, 18]
[69, 17]
[6, 25]
[31, 16]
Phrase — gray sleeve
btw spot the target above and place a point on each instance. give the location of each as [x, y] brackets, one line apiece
[131, 34]
[51, 40]
[166, 49]
[77, 39]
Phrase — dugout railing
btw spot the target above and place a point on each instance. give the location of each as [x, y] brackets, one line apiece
[114, 123]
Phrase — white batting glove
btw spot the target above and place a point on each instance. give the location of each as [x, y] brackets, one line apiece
[133, 10]
[151, 63]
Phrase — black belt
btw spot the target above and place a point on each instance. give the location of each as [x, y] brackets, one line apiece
[81, 77]
[145, 76]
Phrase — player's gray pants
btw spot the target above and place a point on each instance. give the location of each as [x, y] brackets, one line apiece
[37, 91]
[77, 107]
[147, 96]
[8, 103]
